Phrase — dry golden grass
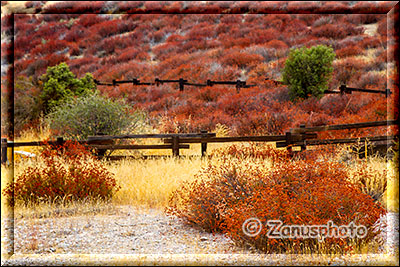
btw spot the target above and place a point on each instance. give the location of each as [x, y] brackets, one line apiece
[382, 177]
[150, 182]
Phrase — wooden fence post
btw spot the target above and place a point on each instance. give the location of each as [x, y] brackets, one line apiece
[203, 144]
[175, 146]
[60, 141]
[3, 150]
[303, 139]
[289, 142]
[181, 84]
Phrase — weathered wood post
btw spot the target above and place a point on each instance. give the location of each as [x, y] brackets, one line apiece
[60, 141]
[388, 92]
[203, 144]
[3, 150]
[239, 84]
[303, 137]
[289, 142]
[181, 84]
[175, 145]
[95, 140]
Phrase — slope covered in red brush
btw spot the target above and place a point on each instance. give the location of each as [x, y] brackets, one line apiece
[200, 42]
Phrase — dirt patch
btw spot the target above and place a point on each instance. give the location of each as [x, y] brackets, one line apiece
[129, 234]
[370, 29]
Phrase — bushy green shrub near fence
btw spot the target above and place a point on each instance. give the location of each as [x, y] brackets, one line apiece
[93, 115]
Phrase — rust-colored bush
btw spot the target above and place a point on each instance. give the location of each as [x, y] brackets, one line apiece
[349, 51]
[69, 172]
[306, 191]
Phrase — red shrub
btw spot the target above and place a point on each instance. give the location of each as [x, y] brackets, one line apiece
[25, 43]
[130, 6]
[76, 33]
[334, 104]
[358, 19]
[372, 80]
[77, 7]
[349, 51]
[304, 193]
[105, 28]
[300, 7]
[263, 36]
[128, 54]
[69, 173]
[153, 6]
[346, 70]
[333, 7]
[277, 44]
[51, 30]
[336, 31]
[24, 28]
[370, 42]
[87, 20]
[241, 59]
[299, 192]
[50, 47]
[74, 49]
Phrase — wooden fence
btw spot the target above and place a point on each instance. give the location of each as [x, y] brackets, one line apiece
[343, 89]
[181, 82]
[300, 137]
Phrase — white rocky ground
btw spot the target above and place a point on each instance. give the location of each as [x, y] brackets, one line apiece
[126, 235]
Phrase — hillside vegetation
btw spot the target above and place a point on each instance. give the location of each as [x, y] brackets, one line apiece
[121, 45]
[60, 51]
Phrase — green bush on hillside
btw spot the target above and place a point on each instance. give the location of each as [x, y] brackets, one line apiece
[307, 71]
[60, 84]
[93, 115]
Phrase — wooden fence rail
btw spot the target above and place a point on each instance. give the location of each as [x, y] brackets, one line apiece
[102, 143]
[343, 89]
[318, 142]
[304, 129]
[181, 81]
[303, 137]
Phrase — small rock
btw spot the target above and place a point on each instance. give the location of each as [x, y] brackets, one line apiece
[203, 238]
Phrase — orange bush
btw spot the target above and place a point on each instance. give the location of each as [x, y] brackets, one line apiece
[69, 172]
[241, 59]
[306, 191]
[349, 51]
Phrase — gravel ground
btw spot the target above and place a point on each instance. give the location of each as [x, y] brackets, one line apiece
[128, 234]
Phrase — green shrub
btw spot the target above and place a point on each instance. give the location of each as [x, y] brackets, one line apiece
[307, 71]
[93, 115]
[60, 84]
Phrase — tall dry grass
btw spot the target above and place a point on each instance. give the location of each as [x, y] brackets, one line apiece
[150, 182]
